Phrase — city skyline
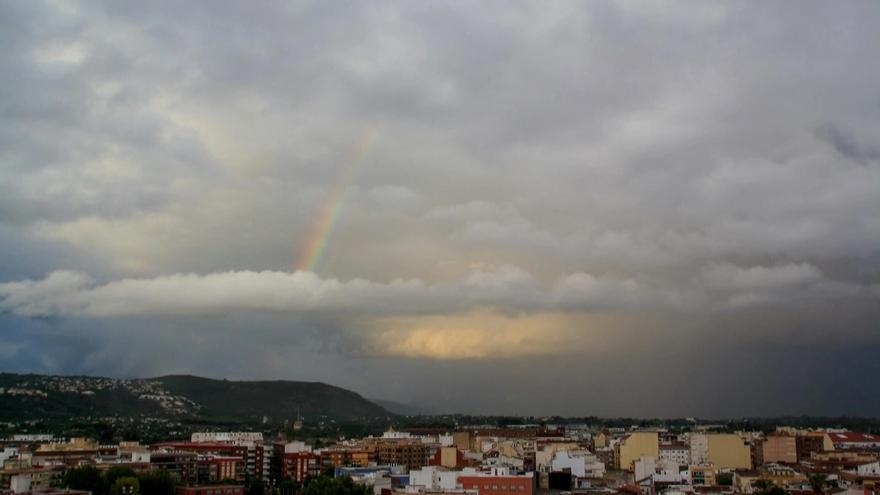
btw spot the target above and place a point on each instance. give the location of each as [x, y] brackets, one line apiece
[605, 208]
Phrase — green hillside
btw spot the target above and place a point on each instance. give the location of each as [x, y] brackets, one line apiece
[24, 397]
[277, 400]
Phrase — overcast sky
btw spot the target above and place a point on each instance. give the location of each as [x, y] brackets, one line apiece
[615, 208]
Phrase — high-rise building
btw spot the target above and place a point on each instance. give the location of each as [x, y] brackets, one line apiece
[635, 445]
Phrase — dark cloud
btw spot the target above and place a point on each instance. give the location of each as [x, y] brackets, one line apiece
[706, 173]
[844, 143]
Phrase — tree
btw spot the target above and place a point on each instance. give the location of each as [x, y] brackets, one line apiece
[287, 487]
[325, 485]
[125, 486]
[818, 482]
[762, 485]
[116, 472]
[256, 487]
[157, 482]
[767, 487]
[85, 478]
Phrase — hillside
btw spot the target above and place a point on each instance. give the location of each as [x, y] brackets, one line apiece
[279, 399]
[402, 409]
[177, 396]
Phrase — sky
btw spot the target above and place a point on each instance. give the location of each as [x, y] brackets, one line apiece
[613, 208]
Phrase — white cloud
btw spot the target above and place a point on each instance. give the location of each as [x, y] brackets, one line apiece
[66, 293]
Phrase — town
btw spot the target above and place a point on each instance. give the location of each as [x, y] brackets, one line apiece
[466, 460]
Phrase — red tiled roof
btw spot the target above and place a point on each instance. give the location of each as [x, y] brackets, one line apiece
[853, 437]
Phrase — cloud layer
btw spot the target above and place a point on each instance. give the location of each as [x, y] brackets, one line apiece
[507, 288]
[563, 178]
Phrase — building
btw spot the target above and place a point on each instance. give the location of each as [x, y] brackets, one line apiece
[778, 448]
[74, 444]
[580, 465]
[783, 476]
[377, 477]
[433, 478]
[600, 440]
[850, 440]
[840, 460]
[497, 482]
[342, 456]
[31, 479]
[448, 457]
[409, 453]
[215, 461]
[462, 439]
[235, 437]
[393, 434]
[182, 466]
[267, 460]
[210, 490]
[868, 469]
[50, 491]
[702, 475]
[723, 450]
[217, 468]
[545, 451]
[812, 442]
[676, 453]
[300, 466]
[635, 445]
[70, 453]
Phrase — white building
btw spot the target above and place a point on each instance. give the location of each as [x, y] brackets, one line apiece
[664, 471]
[393, 434]
[699, 451]
[669, 472]
[869, 469]
[8, 453]
[643, 468]
[431, 478]
[296, 446]
[33, 438]
[20, 483]
[581, 464]
[679, 454]
[226, 436]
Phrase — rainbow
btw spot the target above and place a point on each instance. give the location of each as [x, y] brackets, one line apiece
[315, 244]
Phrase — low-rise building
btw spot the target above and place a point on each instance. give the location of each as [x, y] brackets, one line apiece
[702, 475]
[581, 464]
[210, 490]
[850, 440]
[499, 481]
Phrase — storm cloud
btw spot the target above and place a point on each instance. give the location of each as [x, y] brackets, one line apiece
[515, 196]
